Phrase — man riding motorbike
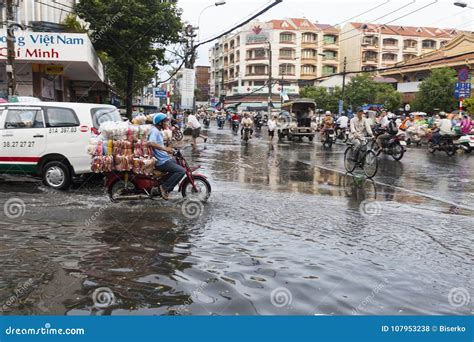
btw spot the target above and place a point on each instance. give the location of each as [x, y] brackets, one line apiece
[246, 122]
[391, 131]
[328, 123]
[164, 162]
[442, 128]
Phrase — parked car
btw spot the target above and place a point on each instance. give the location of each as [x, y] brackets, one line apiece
[50, 139]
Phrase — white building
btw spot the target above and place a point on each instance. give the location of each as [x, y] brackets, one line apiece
[373, 46]
[300, 51]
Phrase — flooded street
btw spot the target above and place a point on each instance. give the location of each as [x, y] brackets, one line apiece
[285, 232]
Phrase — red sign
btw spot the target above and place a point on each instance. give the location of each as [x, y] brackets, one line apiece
[463, 74]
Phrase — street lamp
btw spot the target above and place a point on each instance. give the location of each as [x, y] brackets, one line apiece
[218, 3]
[462, 4]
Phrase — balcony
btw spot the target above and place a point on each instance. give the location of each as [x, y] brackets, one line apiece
[309, 58]
[370, 61]
[309, 42]
[390, 47]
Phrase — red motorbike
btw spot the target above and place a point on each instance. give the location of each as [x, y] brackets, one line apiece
[131, 186]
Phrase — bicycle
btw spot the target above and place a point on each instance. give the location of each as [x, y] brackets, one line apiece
[365, 158]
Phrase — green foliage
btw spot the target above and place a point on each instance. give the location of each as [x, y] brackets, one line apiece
[468, 105]
[436, 91]
[362, 89]
[133, 34]
[324, 99]
[73, 25]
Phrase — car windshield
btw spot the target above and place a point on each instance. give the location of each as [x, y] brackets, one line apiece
[101, 115]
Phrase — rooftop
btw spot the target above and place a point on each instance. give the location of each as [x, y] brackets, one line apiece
[421, 31]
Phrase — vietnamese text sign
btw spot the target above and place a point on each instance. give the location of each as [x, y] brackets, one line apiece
[462, 90]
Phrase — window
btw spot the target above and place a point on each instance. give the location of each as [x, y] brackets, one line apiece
[309, 53]
[101, 115]
[390, 42]
[308, 69]
[308, 38]
[258, 83]
[428, 44]
[389, 57]
[287, 69]
[260, 53]
[61, 117]
[24, 118]
[328, 39]
[330, 55]
[409, 43]
[286, 53]
[370, 40]
[327, 70]
[370, 56]
[287, 37]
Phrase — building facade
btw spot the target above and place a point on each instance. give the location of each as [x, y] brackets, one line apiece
[51, 64]
[457, 54]
[374, 46]
[288, 52]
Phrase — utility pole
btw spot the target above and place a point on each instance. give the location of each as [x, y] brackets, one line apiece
[10, 68]
[341, 107]
[269, 79]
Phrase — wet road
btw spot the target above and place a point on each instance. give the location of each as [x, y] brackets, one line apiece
[285, 232]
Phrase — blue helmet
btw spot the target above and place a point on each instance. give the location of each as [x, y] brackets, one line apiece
[158, 118]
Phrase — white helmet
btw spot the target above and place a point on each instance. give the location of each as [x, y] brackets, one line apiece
[328, 112]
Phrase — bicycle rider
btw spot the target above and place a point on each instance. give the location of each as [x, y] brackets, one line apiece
[360, 129]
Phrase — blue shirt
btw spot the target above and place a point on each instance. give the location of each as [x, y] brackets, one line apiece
[157, 137]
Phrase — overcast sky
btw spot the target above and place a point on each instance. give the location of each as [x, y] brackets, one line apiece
[215, 20]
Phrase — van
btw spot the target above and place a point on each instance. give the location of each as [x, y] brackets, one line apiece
[50, 139]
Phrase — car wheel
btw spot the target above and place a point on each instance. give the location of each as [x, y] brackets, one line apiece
[56, 175]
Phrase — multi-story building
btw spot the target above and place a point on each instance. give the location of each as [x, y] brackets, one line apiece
[287, 52]
[374, 46]
[202, 83]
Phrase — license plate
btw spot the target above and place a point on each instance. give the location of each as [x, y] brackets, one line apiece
[403, 143]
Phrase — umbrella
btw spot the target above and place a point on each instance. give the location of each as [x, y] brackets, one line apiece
[2, 100]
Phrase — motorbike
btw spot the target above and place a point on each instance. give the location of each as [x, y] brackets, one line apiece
[130, 186]
[394, 147]
[235, 126]
[466, 143]
[342, 133]
[206, 122]
[246, 135]
[258, 122]
[329, 137]
[220, 122]
[446, 144]
[177, 133]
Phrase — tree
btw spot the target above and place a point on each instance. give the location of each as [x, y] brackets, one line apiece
[326, 100]
[133, 34]
[436, 91]
[388, 96]
[362, 89]
[73, 25]
[468, 105]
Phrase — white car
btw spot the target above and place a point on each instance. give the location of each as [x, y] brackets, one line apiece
[50, 139]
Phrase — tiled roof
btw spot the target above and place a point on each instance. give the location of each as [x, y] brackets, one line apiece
[422, 31]
[327, 28]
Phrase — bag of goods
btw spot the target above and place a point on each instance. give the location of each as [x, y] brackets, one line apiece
[123, 162]
[139, 120]
[95, 147]
[102, 164]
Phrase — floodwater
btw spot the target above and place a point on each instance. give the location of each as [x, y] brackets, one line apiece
[285, 232]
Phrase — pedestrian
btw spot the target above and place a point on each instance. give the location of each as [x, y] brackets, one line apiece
[271, 124]
[466, 125]
[194, 124]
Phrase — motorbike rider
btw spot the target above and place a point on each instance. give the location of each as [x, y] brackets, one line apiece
[328, 122]
[442, 128]
[466, 124]
[341, 124]
[360, 129]
[246, 122]
[391, 131]
[164, 162]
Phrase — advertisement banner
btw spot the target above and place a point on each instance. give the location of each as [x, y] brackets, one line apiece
[187, 88]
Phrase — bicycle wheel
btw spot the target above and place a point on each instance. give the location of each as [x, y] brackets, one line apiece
[349, 159]
[370, 164]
